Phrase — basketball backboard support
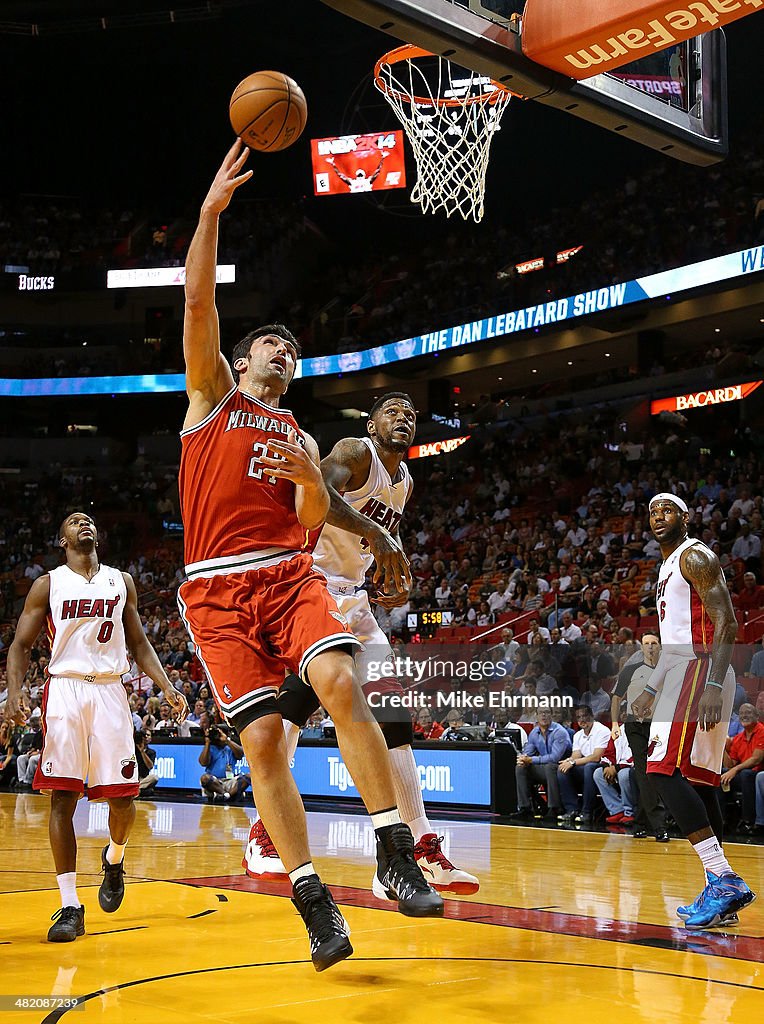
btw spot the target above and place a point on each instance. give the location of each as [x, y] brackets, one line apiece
[674, 101]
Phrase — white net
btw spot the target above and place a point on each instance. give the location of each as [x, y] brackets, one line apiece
[450, 115]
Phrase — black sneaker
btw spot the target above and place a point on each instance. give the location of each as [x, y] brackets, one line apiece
[113, 885]
[69, 923]
[327, 929]
[399, 877]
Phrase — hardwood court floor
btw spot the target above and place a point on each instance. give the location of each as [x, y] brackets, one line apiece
[566, 926]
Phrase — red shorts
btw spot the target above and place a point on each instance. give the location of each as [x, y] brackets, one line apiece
[676, 741]
[249, 627]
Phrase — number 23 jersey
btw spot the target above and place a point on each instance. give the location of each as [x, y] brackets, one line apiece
[230, 505]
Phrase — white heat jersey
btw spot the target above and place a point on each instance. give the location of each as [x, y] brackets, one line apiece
[87, 635]
[684, 622]
[345, 557]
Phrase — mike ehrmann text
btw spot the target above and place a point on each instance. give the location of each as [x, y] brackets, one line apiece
[462, 700]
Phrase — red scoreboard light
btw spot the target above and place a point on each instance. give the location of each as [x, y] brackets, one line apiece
[358, 163]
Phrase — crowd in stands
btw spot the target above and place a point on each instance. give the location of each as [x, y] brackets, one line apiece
[668, 216]
[540, 546]
[66, 234]
[550, 518]
[664, 218]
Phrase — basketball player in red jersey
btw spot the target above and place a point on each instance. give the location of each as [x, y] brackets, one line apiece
[693, 687]
[369, 486]
[251, 490]
[92, 615]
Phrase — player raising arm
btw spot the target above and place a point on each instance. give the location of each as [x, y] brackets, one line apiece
[251, 490]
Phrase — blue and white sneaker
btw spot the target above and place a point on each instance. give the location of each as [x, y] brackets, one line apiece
[692, 908]
[724, 895]
[729, 920]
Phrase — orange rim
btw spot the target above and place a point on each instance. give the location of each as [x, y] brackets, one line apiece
[410, 52]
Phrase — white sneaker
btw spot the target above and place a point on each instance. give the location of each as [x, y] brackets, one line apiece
[438, 869]
[260, 858]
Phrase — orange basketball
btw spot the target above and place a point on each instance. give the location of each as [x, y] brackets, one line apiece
[268, 111]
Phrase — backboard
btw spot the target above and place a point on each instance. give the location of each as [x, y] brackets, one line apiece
[674, 101]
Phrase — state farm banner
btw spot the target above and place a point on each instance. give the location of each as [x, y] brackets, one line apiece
[701, 399]
[588, 37]
[423, 451]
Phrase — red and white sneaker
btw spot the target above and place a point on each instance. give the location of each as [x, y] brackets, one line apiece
[260, 858]
[438, 869]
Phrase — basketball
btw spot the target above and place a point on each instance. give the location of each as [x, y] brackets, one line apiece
[268, 111]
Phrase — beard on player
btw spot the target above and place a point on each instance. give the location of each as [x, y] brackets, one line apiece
[392, 432]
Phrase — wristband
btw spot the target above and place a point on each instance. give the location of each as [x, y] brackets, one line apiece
[710, 682]
[650, 690]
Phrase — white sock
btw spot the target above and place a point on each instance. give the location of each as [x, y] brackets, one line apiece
[67, 884]
[712, 856]
[291, 735]
[302, 872]
[382, 819]
[116, 853]
[408, 791]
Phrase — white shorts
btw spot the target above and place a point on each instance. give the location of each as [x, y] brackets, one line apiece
[676, 742]
[88, 736]
[356, 609]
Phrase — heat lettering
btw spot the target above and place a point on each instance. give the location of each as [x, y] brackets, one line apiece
[89, 608]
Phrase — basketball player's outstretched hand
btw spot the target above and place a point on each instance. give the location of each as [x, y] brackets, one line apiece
[178, 704]
[16, 710]
[228, 178]
[710, 708]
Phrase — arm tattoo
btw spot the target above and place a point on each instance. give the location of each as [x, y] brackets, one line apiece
[346, 468]
[703, 572]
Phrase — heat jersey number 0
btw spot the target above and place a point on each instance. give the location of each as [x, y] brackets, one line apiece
[103, 636]
[256, 471]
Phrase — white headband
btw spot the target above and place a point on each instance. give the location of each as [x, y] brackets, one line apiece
[665, 496]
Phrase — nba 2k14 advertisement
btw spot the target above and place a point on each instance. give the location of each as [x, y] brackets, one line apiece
[358, 163]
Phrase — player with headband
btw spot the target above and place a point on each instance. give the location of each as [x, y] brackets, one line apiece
[692, 688]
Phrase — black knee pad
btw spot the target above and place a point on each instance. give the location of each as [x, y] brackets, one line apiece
[397, 734]
[296, 701]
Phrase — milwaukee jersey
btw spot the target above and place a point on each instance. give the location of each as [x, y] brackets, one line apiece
[683, 619]
[345, 557]
[87, 634]
[230, 506]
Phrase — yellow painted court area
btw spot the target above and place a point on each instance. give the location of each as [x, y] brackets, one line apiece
[567, 925]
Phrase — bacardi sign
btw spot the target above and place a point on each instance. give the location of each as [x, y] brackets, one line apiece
[423, 451]
[700, 399]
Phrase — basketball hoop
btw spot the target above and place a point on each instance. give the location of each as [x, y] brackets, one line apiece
[450, 115]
